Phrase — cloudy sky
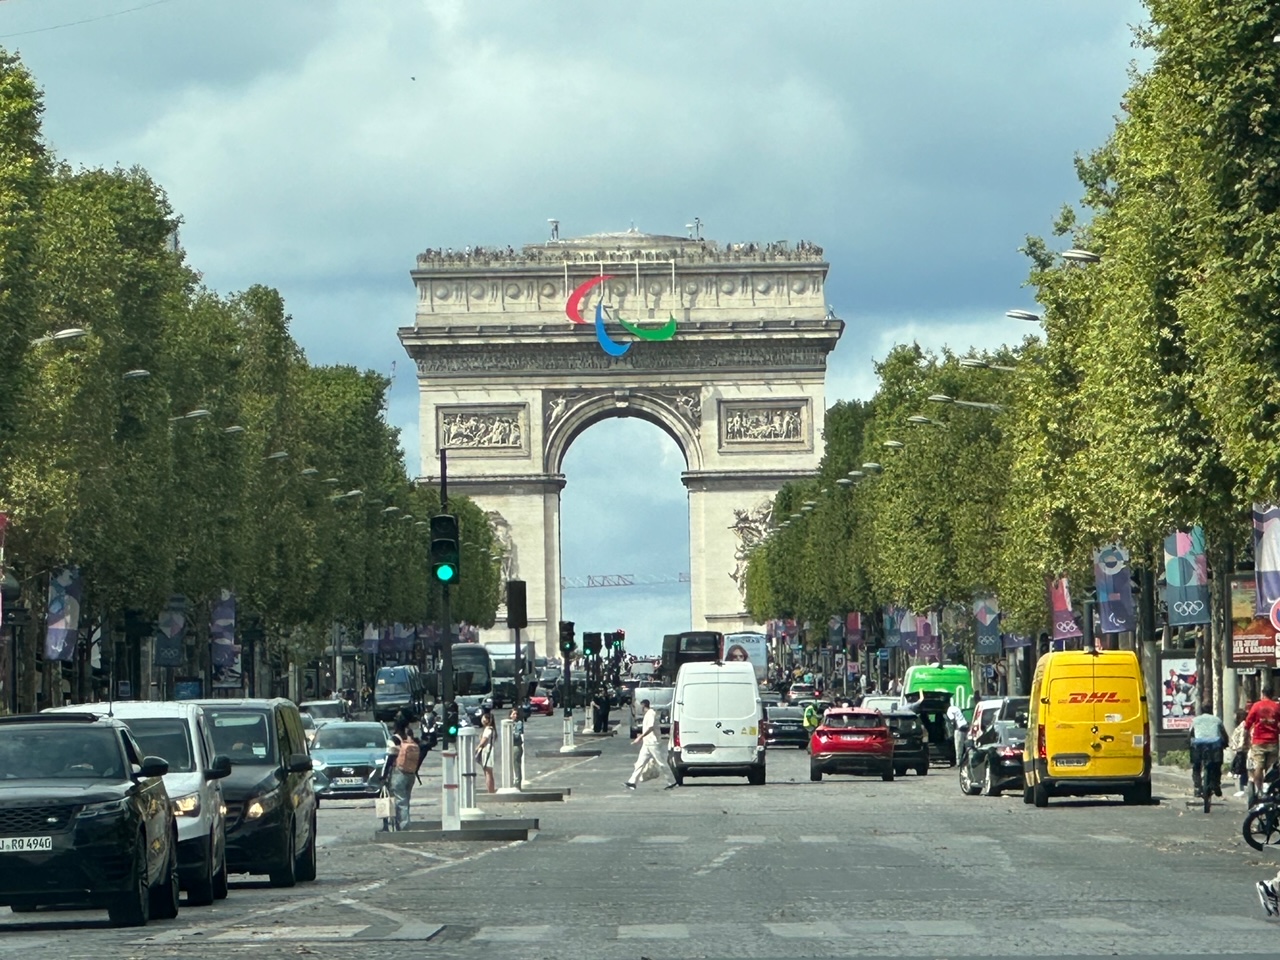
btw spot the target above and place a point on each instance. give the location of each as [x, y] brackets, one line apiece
[318, 145]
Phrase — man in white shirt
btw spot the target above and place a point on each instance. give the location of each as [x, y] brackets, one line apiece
[648, 741]
[960, 728]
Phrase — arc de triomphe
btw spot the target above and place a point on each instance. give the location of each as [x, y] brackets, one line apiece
[507, 380]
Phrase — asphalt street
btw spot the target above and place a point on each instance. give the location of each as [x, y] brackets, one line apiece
[846, 867]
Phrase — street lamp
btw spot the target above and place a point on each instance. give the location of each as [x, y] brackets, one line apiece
[974, 363]
[1076, 255]
[1023, 315]
[943, 398]
[390, 509]
[872, 467]
[135, 375]
[811, 503]
[278, 455]
[844, 482]
[806, 508]
[894, 444]
[233, 429]
[920, 418]
[192, 415]
[331, 480]
[795, 516]
[69, 333]
[856, 475]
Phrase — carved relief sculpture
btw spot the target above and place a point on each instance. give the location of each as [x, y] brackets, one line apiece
[764, 424]
[477, 430]
[688, 403]
[750, 527]
[558, 403]
[506, 544]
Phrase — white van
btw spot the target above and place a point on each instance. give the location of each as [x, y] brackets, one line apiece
[716, 723]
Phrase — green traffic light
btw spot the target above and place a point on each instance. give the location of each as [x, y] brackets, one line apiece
[446, 573]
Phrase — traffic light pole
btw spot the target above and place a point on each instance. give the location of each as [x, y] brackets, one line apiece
[450, 811]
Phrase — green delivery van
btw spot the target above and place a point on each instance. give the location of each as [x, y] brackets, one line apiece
[951, 678]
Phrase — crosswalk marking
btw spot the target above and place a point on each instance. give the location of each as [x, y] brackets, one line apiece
[514, 934]
[653, 931]
[827, 839]
[1091, 925]
[939, 928]
[589, 838]
[735, 838]
[807, 931]
[664, 839]
[320, 932]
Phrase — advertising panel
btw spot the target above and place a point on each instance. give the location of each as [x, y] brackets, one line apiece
[752, 647]
[1179, 692]
[1253, 637]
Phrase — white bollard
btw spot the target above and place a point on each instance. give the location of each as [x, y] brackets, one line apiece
[569, 746]
[507, 756]
[468, 737]
[589, 718]
[449, 811]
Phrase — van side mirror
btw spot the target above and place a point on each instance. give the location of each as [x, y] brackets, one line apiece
[299, 763]
[221, 767]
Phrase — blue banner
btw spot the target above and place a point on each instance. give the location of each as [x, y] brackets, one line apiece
[986, 611]
[171, 633]
[1266, 555]
[224, 652]
[1186, 573]
[1115, 590]
[63, 623]
[892, 627]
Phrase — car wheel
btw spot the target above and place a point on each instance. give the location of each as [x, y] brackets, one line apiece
[922, 770]
[887, 776]
[756, 776]
[305, 868]
[133, 909]
[1138, 796]
[988, 781]
[967, 786]
[23, 907]
[900, 771]
[285, 873]
[164, 895]
[1027, 795]
[815, 772]
[201, 893]
[220, 880]
[1040, 795]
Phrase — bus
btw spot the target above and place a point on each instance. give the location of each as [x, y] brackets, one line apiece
[502, 656]
[693, 646]
[472, 674]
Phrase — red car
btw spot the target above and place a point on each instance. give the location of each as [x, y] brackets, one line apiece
[541, 703]
[850, 740]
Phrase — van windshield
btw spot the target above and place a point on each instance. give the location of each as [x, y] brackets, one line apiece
[390, 689]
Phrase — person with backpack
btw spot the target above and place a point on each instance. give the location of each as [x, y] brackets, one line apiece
[400, 770]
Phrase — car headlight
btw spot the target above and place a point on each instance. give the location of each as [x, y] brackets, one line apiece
[317, 763]
[188, 806]
[109, 809]
[262, 805]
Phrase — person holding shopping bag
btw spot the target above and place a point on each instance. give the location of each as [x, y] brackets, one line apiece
[649, 750]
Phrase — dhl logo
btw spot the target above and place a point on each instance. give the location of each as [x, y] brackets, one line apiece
[1099, 696]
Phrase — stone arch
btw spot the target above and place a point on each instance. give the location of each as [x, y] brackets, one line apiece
[605, 405]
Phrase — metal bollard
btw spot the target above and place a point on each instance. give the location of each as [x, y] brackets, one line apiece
[449, 814]
[568, 744]
[507, 779]
[468, 737]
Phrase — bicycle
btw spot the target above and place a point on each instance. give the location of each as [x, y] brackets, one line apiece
[1206, 771]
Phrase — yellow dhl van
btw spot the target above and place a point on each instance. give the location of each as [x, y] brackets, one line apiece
[1088, 732]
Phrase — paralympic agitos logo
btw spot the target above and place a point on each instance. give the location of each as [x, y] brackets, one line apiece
[573, 310]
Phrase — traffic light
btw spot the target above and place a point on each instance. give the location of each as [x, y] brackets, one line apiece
[591, 644]
[615, 639]
[445, 554]
[451, 723]
[567, 642]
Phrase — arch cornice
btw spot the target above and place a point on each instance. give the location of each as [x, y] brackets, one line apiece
[567, 413]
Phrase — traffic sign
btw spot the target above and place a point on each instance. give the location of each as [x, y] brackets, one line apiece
[1275, 614]
[883, 653]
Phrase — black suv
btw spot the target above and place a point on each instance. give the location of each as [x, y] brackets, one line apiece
[399, 689]
[910, 746]
[270, 794]
[85, 820]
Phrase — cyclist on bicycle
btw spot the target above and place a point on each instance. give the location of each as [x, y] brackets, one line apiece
[1208, 738]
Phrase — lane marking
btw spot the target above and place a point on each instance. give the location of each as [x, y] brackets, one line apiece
[716, 863]
[514, 934]
[653, 931]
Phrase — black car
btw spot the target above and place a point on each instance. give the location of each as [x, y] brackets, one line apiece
[270, 795]
[399, 689]
[993, 763]
[932, 709]
[910, 745]
[784, 727]
[85, 820]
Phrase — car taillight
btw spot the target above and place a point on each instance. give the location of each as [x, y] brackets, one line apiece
[1010, 752]
[1041, 748]
[760, 740]
[675, 734]
[1146, 743]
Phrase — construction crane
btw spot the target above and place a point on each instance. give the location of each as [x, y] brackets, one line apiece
[619, 580]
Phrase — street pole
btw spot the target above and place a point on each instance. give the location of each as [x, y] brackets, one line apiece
[450, 811]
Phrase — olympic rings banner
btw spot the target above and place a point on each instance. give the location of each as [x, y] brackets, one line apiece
[1065, 625]
[1187, 575]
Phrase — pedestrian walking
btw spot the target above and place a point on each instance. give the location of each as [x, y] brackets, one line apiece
[649, 752]
[1240, 753]
[484, 750]
[1262, 723]
[400, 770]
[959, 729]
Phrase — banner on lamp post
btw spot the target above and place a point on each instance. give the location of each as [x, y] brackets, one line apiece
[928, 638]
[853, 631]
[1186, 573]
[1266, 555]
[63, 624]
[224, 653]
[892, 627]
[1115, 590]
[1065, 626]
[986, 611]
[171, 633]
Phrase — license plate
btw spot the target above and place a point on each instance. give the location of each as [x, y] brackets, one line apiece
[348, 781]
[853, 736]
[1071, 761]
[700, 748]
[25, 844]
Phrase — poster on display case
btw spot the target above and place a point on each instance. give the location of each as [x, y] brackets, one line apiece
[1179, 691]
[1253, 636]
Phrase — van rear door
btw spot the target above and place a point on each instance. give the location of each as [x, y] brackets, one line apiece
[699, 709]
[1069, 721]
[739, 722]
[719, 722]
[1117, 712]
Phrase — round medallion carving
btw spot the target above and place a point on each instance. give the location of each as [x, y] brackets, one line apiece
[441, 292]
[477, 291]
[727, 286]
[797, 286]
[691, 287]
[512, 291]
[548, 289]
[656, 288]
[764, 286]
[618, 289]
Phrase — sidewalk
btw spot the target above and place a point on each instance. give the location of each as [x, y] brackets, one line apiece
[1174, 783]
